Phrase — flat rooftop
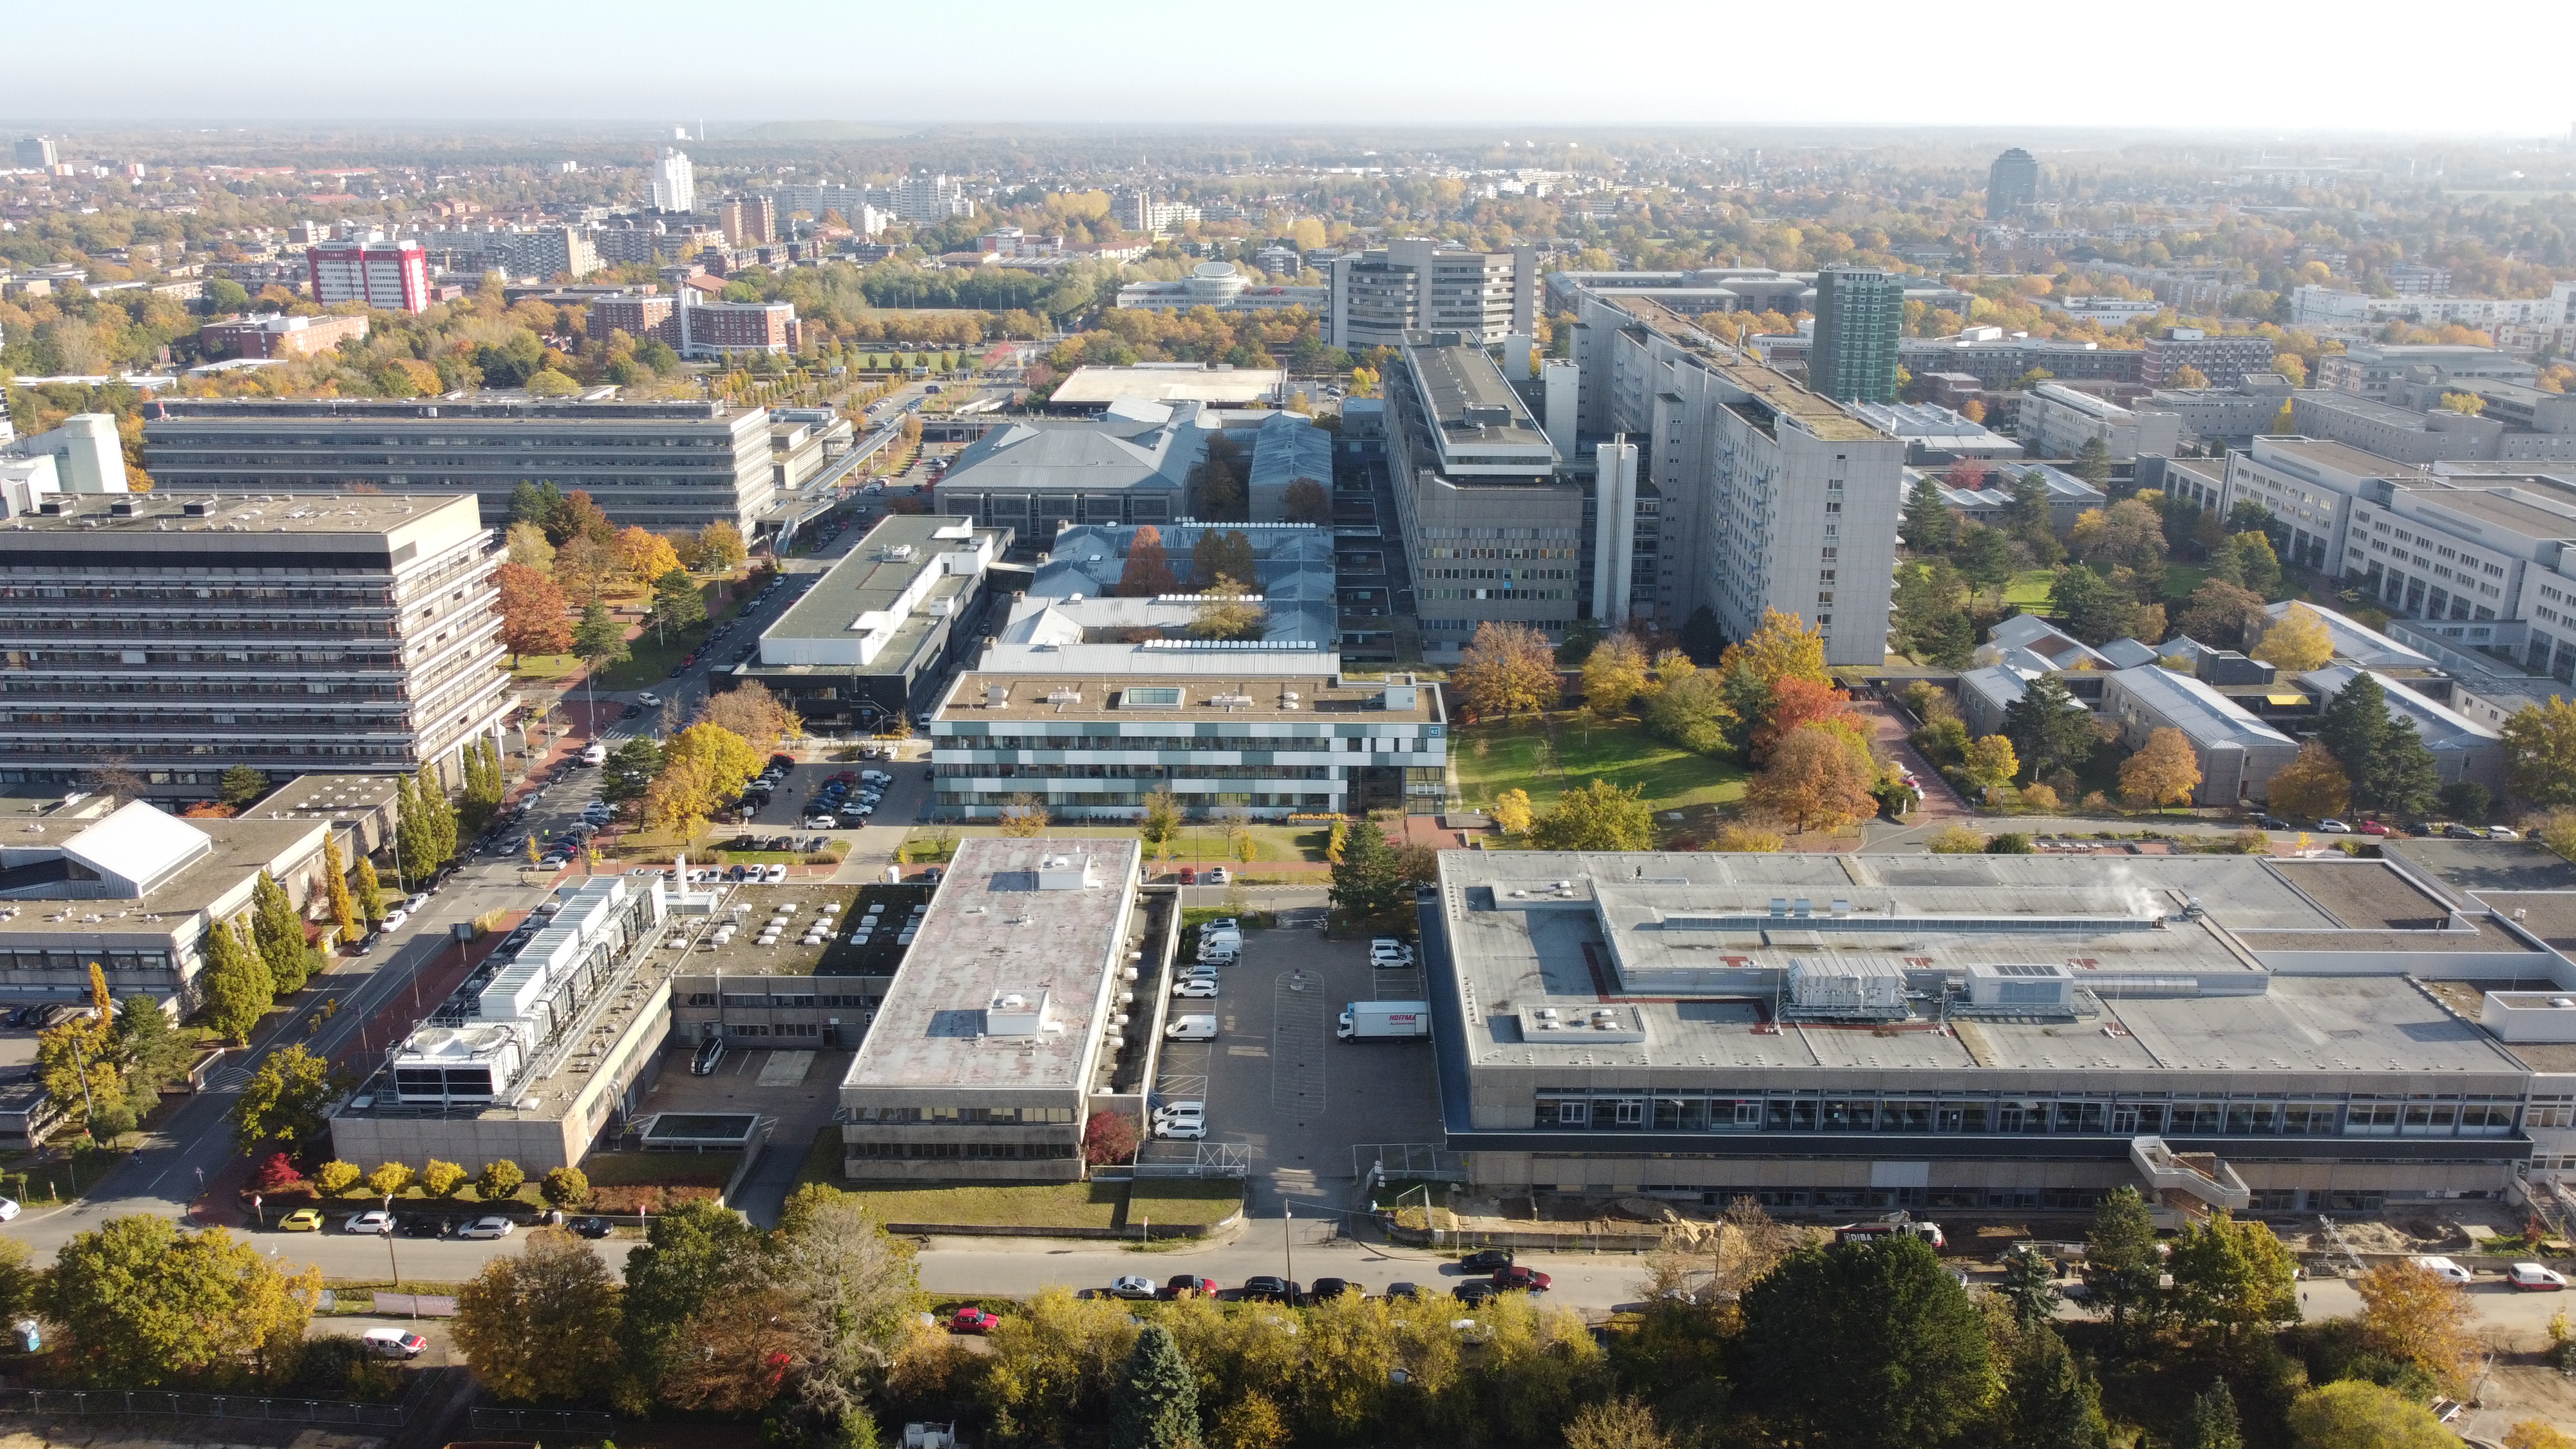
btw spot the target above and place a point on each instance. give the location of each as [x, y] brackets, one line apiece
[432, 410]
[179, 513]
[1232, 386]
[2500, 506]
[2166, 955]
[1014, 918]
[2342, 457]
[1461, 387]
[873, 578]
[1820, 415]
[242, 849]
[1180, 699]
[750, 908]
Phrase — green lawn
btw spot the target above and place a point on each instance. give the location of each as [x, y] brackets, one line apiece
[2030, 589]
[2181, 579]
[1494, 757]
[1094, 1204]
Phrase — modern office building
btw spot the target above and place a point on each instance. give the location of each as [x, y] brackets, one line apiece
[541, 1050]
[381, 272]
[1092, 747]
[2012, 182]
[2369, 370]
[1415, 285]
[2225, 361]
[1008, 1019]
[883, 626]
[927, 200]
[134, 890]
[2312, 305]
[1993, 1032]
[1859, 311]
[1770, 497]
[1494, 533]
[675, 182]
[35, 153]
[2058, 421]
[639, 317]
[1130, 464]
[661, 465]
[729, 329]
[1210, 385]
[179, 635]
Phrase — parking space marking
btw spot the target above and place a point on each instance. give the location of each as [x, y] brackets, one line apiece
[1404, 985]
[1297, 1017]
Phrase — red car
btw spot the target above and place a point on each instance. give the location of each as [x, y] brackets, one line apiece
[1189, 875]
[973, 1320]
[1187, 1286]
[2373, 827]
[1530, 1279]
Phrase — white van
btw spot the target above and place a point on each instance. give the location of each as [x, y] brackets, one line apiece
[1191, 1028]
[595, 754]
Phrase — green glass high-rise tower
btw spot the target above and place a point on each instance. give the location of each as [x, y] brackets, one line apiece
[1858, 312]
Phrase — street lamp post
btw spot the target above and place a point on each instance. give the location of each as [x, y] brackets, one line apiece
[390, 1260]
[1288, 1241]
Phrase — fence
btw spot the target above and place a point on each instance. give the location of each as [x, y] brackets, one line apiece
[207, 1406]
[572, 1423]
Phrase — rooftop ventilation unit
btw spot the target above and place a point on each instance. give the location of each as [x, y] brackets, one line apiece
[996, 695]
[1064, 696]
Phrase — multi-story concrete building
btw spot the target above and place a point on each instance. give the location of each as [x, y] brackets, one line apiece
[1992, 1032]
[2012, 182]
[34, 153]
[1006, 1026]
[2369, 371]
[2309, 486]
[2412, 436]
[1859, 311]
[1494, 533]
[675, 182]
[2314, 304]
[883, 626]
[136, 892]
[2225, 361]
[2057, 422]
[1267, 744]
[1769, 496]
[748, 220]
[728, 329]
[927, 200]
[2237, 753]
[543, 252]
[2231, 415]
[661, 465]
[179, 635]
[1414, 285]
[380, 272]
[638, 317]
[1149, 214]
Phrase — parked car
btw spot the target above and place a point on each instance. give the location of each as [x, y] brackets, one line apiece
[395, 918]
[1334, 1288]
[9, 1209]
[1130, 1285]
[1197, 988]
[375, 1222]
[1474, 1291]
[1486, 1260]
[589, 1227]
[1219, 875]
[2533, 1278]
[973, 1320]
[2444, 1269]
[1190, 1285]
[1525, 1278]
[1402, 1292]
[2503, 832]
[2462, 832]
[2334, 827]
[649, 700]
[1182, 1129]
[1266, 1289]
[422, 1225]
[710, 1052]
[302, 1220]
[1189, 875]
[495, 1227]
[2373, 827]
[392, 1343]
[2271, 822]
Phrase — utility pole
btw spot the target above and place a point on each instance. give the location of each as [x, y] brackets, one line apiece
[390, 1261]
[1288, 1241]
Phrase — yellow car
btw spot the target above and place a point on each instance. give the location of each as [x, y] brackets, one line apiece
[302, 1220]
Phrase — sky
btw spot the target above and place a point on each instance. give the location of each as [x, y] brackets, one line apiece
[2187, 65]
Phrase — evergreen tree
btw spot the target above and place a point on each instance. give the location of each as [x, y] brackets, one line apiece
[1928, 527]
[2409, 781]
[1702, 638]
[2121, 1267]
[243, 784]
[2029, 517]
[238, 988]
[2048, 729]
[2212, 1424]
[335, 884]
[2093, 462]
[2029, 1285]
[278, 933]
[1369, 888]
[1864, 1346]
[1158, 1406]
[371, 892]
[2385, 759]
[2093, 608]
[2049, 1403]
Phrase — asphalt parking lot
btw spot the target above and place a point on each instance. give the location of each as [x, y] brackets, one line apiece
[1277, 1083]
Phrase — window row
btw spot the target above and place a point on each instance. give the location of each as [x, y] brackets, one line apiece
[2363, 1117]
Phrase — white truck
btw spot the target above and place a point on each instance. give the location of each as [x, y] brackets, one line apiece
[1384, 1021]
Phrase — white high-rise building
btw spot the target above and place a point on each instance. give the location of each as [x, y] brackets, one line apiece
[675, 183]
[929, 200]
